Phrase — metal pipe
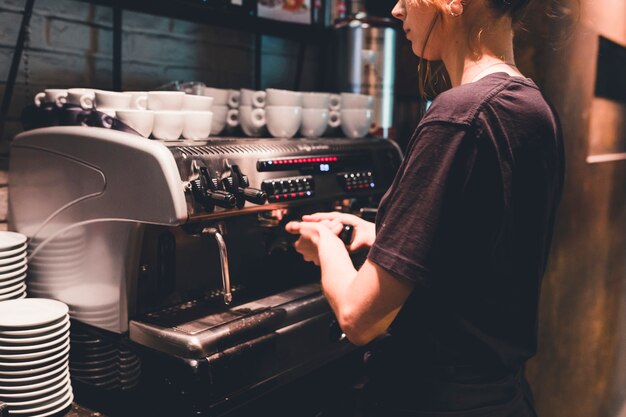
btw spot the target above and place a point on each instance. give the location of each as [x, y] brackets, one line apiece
[221, 244]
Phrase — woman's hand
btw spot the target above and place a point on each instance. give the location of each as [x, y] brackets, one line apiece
[311, 236]
[364, 231]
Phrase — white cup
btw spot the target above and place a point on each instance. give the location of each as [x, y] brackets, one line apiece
[197, 124]
[165, 100]
[356, 123]
[233, 99]
[251, 98]
[315, 100]
[283, 121]
[197, 103]
[356, 101]
[314, 122]
[220, 96]
[335, 102]
[51, 95]
[285, 98]
[108, 111]
[222, 116]
[168, 125]
[252, 120]
[83, 97]
[334, 119]
[112, 100]
[141, 121]
[139, 100]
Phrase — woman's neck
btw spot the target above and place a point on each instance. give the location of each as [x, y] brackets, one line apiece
[492, 53]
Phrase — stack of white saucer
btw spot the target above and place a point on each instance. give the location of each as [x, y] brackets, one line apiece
[12, 265]
[34, 350]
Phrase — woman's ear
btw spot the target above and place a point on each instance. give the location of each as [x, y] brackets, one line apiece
[455, 8]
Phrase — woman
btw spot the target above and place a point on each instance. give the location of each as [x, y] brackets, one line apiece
[449, 292]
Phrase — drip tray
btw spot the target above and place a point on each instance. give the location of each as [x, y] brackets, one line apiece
[203, 336]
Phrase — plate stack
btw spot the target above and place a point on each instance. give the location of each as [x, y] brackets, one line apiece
[12, 266]
[101, 363]
[93, 303]
[56, 264]
[34, 351]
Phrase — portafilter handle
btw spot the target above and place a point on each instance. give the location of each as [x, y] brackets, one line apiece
[221, 244]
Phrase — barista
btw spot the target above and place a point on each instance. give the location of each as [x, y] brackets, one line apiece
[447, 299]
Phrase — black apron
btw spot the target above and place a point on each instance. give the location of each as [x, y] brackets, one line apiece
[397, 389]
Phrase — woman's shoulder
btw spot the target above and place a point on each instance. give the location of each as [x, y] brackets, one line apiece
[461, 105]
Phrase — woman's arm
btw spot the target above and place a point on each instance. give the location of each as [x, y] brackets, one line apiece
[366, 301]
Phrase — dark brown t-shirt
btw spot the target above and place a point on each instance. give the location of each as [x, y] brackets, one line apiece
[469, 218]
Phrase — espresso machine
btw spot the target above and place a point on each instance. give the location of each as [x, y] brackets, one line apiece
[173, 259]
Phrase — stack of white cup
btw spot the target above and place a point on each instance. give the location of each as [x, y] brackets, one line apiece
[252, 112]
[283, 112]
[356, 114]
[225, 108]
[166, 115]
[315, 114]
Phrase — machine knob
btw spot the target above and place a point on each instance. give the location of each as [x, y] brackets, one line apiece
[254, 195]
[222, 199]
[347, 234]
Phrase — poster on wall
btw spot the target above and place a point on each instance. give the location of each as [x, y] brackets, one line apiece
[294, 11]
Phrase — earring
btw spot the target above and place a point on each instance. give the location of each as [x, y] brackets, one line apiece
[455, 8]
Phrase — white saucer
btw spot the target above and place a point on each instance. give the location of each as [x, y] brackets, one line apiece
[13, 288]
[12, 281]
[30, 312]
[31, 347]
[35, 331]
[47, 363]
[13, 274]
[39, 403]
[16, 295]
[11, 240]
[12, 267]
[61, 407]
[34, 339]
[32, 358]
[12, 259]
[42, 381]
[42, 374]
[53, 388]
[13, 252]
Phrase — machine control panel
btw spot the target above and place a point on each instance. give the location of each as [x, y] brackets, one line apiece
[355, 181]
[292, 188]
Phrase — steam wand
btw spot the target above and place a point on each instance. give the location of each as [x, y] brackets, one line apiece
[221, 244]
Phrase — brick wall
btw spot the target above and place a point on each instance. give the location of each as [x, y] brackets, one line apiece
[71, 46]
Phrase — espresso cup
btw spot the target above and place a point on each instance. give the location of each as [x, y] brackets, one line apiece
[314, 122]
[356, 101]
[233, 99]
[165, 100]
[315, 100]
[168, 125]
[197, 103]
[251, 98]
[334, 119]
[220, 96]
[283, 121]
[223, 116]
[197, 124]
[142, 121]
[112, 100]
[109, 111]
[252, 120]
[284, 98]
[335, 102]
[83, 97]
[139, 100]
[355, 123]
[51, 95]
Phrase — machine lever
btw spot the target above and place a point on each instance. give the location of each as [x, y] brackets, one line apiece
[346, 234]
[221, 244]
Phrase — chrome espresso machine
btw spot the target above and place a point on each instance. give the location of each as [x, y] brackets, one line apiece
[173, 259]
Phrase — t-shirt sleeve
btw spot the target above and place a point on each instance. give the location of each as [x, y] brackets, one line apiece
[437, 167]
